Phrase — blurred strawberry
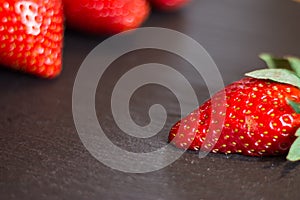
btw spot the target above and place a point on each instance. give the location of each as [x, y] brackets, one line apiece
[31, 33]
[168, 5]
[105, 16]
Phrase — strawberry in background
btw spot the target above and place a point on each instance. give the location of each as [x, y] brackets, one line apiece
[31, 34]
[113, 16]
[31, 31]
[105, 16]
[168, 5]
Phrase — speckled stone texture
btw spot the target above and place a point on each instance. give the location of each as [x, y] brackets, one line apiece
[42, 157]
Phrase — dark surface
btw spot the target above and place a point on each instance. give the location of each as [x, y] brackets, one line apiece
[42, 157]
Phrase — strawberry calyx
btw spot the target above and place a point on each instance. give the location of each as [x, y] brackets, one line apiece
[294, 152]
[288, 62]
[278, 75]
[283, 70]
[294, 105]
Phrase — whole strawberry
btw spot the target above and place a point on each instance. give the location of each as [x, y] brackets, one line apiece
[259, 116]
[168, 5]
[31, 33]
[105, 16]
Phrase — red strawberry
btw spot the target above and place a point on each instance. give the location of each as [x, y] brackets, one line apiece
[31, 33]
[168, 5]
[105, 16]
[261, 118]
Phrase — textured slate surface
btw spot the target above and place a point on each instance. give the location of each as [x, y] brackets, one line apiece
[42, 157]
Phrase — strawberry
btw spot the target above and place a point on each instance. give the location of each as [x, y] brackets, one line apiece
[105, 16]
[31, 33]
[168, 5]
[256, 116]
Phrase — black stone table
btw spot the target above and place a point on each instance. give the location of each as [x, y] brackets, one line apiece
[42, 156]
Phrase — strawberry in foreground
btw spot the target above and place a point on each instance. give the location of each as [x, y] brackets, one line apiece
[31, 33]
[256, 116]
[105, 16]
[168, 5]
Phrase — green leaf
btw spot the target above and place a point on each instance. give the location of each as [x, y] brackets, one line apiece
[294, 153]
[287, 62]
[274, 62]
[278, 75]
[295, 64]
[295, 106]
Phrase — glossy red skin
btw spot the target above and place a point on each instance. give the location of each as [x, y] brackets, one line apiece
[105, 16]
[36, 50]
[258, 120]
[169, 5]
